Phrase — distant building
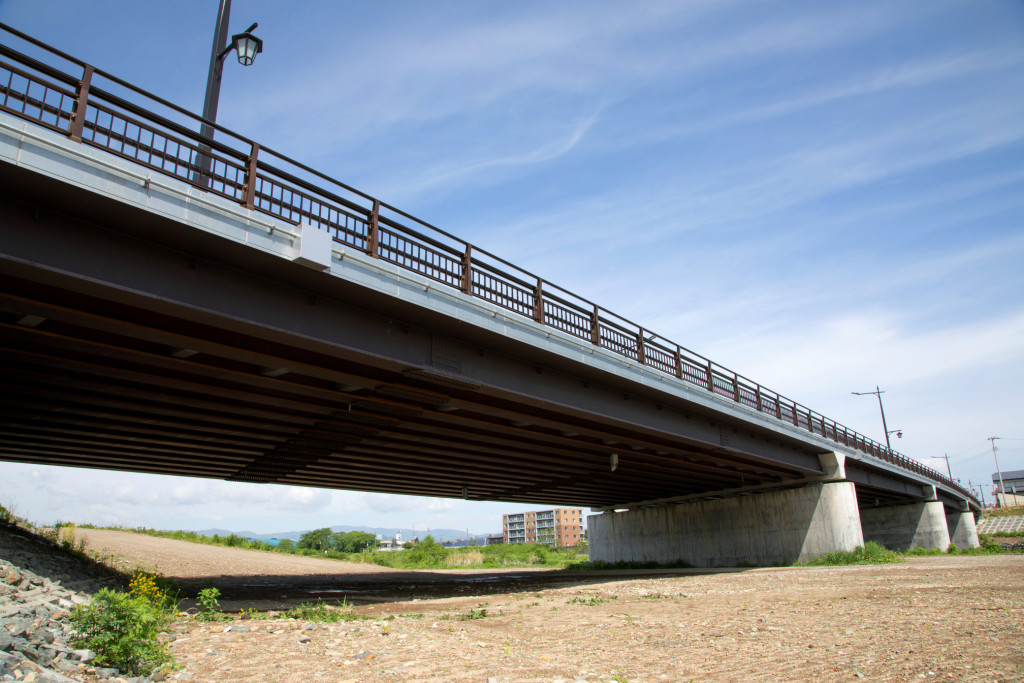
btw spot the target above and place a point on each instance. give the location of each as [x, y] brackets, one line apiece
[1014, 493]
[560, 527]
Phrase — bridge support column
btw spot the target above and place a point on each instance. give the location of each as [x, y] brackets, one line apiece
[963, 529]
[775, 527]
[901, 527]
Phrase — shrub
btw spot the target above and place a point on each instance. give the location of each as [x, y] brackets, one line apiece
[122, 630]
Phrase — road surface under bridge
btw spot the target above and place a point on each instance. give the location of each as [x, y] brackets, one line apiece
[177, 305]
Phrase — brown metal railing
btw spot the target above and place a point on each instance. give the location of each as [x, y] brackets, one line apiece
[161, 136]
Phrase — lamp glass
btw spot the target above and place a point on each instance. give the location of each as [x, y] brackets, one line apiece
[247, 47]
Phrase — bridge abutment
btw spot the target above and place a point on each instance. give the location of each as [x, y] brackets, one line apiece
[901, 527]
[768, 528]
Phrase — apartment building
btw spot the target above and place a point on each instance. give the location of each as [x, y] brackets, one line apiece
[560, 527]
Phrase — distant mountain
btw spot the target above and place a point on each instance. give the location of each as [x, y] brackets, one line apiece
[440, 535]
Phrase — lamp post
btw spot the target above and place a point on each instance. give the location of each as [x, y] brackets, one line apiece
[247, 46]
[878, 392]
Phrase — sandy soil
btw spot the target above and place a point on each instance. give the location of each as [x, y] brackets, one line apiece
[933, 618]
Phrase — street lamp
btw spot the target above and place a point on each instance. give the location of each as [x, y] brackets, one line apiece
[247, 46]
[878, 392]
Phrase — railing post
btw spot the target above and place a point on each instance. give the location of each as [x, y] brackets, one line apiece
[678, 358]
[796, 416]
[81, 101]
[538, 301]
[711, 378]
[778, 407]
[595, 327]
[373, 238]
[736, 387]
[249, 191]
[640, 355]
[757, 394]
[467, 270]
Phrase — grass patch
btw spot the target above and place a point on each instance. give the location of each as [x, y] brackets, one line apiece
[591, 601]
[1016, 511]
[320, 612]
[869, 553]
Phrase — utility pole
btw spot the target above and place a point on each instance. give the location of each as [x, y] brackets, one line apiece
[946, 456]
[999, 472]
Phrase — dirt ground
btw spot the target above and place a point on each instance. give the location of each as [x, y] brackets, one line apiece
[932, 618]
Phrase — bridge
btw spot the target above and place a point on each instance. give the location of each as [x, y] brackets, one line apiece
[176, 304]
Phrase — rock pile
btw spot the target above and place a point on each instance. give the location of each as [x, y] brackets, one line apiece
[39, 586]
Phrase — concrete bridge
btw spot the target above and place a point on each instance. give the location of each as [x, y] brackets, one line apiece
[179, 305]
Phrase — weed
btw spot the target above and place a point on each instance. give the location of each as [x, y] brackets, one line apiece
[154, 589]
[122, 630]
[591, 601]
[323, 613]
[209, 605]
[479, 613]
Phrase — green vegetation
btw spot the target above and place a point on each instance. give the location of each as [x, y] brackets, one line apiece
[320, 612]
[1016, 511]
[325, 540]
[869, 553]
[591, 601]
[209, 606]
[122, 628]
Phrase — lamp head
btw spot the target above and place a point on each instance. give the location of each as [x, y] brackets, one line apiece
[247, 45]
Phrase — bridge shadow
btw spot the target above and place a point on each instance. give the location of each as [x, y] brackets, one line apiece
[264, 592]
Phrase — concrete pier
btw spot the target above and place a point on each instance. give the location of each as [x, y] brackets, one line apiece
[901, 527]
[963, 529]
[769, 528]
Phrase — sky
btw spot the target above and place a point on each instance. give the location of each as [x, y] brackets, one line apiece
[823, 196]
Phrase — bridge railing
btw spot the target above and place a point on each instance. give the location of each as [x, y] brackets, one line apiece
[98, 109]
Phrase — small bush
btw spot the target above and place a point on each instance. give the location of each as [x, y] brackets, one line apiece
[122, 630]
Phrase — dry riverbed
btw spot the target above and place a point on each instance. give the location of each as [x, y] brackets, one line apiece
[931, 618]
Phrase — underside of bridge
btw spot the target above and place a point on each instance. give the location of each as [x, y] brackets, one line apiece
[131, 344]
[132, 341]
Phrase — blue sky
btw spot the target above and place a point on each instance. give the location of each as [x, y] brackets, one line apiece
[823, 196]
